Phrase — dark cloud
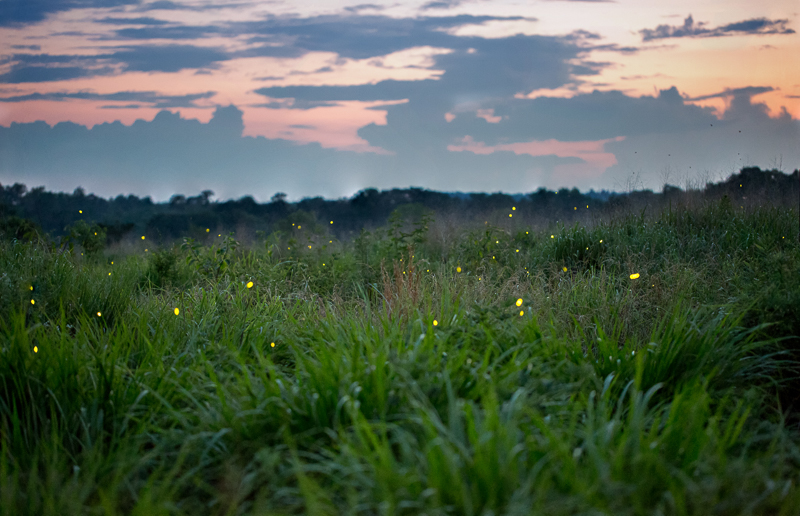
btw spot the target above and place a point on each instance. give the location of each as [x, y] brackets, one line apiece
[174, 32]
[149, 98]
[748, 92]
[171, 154]
[48, 67]
[361, 7]
[168, 58]
[691, 29]
[361, 37]
[441, 4]
[15, 13]
[132, 21]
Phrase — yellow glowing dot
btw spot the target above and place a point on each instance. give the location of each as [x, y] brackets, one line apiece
[33, 302]
[298, 227]
[109, 274]
[331, 222]
[634, 275]
[219, 235]
[576, 207]
[564, 269]
[521, 313]
[479, 279]
[35, 349]
[176, 311]
[519, 302]
[458, 269]
[112, 263]
[292, 223]
[427, 270]
[81, 211]
[513, 208]
[435, 322]
[740, 186]
[272, 344]
[330, 241]
[144, 251]
[587, 205]
[142, 237]
[289, 248]
[510, 215]
[587, 248]
[31, 287]
[250, 284]
[99, 314]
[517, 250]
[323, 265]
[526, 232]
[492, 257]
[309, 247]
[95, 233]
[601, 240]
[552, 236]
[404, 272]
[208, 230]
[496, 241]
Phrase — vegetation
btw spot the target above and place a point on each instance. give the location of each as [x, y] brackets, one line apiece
[638, 364]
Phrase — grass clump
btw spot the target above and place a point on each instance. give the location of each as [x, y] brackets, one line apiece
[398, 375]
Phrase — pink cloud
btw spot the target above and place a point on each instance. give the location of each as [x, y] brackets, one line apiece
[592, 152]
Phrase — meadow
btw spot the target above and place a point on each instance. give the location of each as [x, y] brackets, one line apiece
[638, 364]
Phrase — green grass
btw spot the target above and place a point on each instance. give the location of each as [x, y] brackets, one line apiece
[673, 393]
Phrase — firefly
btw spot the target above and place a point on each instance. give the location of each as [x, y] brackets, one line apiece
[565, 269]
[81, 211]
[513, 208]
[552, 236]
[250, 283]
[519, 302]
[435, 322]
[521, 313]
[33, 302]
[458, 269]
[331, 222]
[35, 349]
[99, 314]
[635, 275]
[142, 237]
[31, 287]
[176, 311]
[208, 230]
[272, 344]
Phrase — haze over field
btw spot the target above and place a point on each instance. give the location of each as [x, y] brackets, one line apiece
[327, 98]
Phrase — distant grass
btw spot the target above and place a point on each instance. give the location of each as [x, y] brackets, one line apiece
[672, 393]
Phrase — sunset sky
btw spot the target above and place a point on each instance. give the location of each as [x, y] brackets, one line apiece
[327, 98]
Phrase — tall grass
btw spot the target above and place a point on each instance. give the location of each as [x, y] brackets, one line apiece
[375, 378]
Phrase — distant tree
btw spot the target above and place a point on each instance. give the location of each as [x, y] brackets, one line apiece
[278, 197]
[177, 200]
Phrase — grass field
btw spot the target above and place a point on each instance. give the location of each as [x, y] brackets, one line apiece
[639, 365]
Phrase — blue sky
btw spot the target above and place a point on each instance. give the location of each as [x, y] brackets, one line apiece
[309, 98]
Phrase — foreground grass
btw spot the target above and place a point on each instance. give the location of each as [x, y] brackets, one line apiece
[374, 378]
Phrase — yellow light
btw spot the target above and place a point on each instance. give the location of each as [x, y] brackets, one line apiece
[208, 230]
[31, 287]
[330, 241]
[521, 313]
[435, 322]
[81, 211]
[552, 236]
[517, 250]
[33, 302]
[35, 349]
[479, 279]
[95, 233]
[176, 311]
[323, 265]
[513, 208]
[331, 222]
[109, 274]
[492, 257]
[309, 247]
[510, 215]
[112, 263]
[250, 283]
[526, 232]
[144, 251]
[496, 241]
[519, 302]
[142, 237]
[601, 240]
[634, 275]
[565, 269]
[298, 227]
[99, 314]
[272, 344]
[587, 206]
[458, 269]
[576, 207]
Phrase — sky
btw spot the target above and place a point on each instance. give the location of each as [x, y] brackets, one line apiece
[326, 98]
